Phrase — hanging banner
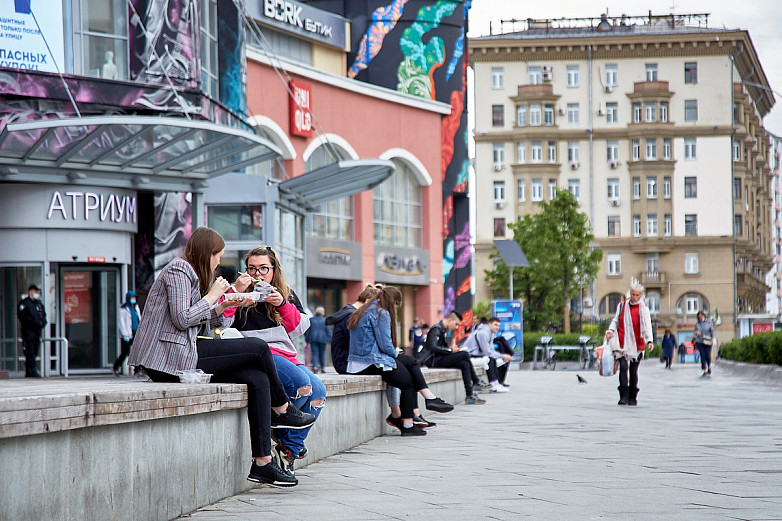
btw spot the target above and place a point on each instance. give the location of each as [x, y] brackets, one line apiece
[76, 288]
[23, 42]
[301, 109]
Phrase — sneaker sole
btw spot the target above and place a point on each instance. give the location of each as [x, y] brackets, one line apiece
[281, 484]
[297, 428]
[392, 425]
[440, 409]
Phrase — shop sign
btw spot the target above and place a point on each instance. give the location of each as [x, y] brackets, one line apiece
[86, 206]
[22, 43]
[302, 19]
[96, 259]
[334, 256]
[301, 109]
[762, 327]
[401, 264]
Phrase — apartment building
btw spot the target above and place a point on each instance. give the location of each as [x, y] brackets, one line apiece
[655, 125]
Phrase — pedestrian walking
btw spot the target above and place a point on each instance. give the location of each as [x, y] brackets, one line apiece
[703, 338]
[318, 335]
[129, 315]
[669, 343]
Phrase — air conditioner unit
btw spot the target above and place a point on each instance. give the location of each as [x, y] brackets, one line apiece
[499, 205]
[547, 68]
[613, 164]
[614, 202]
[546, 76]
[497, 167]
[561, 112]
[601, 111]
[574, 165]
[609, 89]
[587, 303]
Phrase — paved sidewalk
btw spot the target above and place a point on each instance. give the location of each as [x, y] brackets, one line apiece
[694, 449]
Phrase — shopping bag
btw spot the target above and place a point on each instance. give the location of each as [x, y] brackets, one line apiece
[606, 365]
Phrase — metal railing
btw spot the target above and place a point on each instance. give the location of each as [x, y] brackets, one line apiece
[60, 357]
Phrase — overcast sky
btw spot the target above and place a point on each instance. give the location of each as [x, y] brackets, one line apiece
[762, 18]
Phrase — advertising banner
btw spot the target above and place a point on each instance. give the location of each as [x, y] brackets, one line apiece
[76, 286]
[510, 314]
[23, 42]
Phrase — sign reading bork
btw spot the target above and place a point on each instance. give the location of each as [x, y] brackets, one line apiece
[301, 109]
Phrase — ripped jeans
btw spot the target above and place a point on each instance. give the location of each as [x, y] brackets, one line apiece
[293, 378]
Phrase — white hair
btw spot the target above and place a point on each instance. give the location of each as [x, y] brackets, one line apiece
[635, 285]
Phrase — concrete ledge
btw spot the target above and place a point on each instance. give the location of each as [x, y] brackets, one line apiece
[771, 374]
[129, 450]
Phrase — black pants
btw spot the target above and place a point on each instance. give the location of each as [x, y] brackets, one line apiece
[459, 360]
[705, 352]
[31, 340]
[243, 361]
[502, 372]
[630, 366]
[407, 377]
[123, 354]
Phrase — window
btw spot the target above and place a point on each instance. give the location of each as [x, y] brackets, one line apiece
[691, 224]
[736, 150]
[498, 154]
[667, 148]
[397, 209]
[691, 110]
[612, 112]
[737, 188]
[651, 187]
[534, 114]
[614, 229]
[613, 188]
[497, 115]
[535, 75]
[574, 187]
[332, 220]
[636, 187]
[537, 190]
[499, 227]
[650, 112]
[552, 151]
[537, 152]
[691, 262]
[736, 112]
[690, 72]
[614, 264]
[689, 148]
[691, 303]
[521, 152]
[653, 302]
[690, 187]
[237, 223]
[667, 225]
[572, 75]
[521, 191]
[651, 149]
[499, 191]
[521, 115]
[636, 225]
[612, 75]
[636, 150]
[663, 112]
[497, 78]
[612, 150]
[637, 112]
[651, 72]
[737, 226]
[209, 66]
[548, 115]
[573, 152]
[572, 113]
[610, 303]
[666, 187]
[100, 31]
[653, 262]
[552, 189]
[651, 225]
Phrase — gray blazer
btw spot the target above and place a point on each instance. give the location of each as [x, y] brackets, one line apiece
[173, 315]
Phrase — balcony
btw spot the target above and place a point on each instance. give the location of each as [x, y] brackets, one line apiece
[647, 88]
[655, 279]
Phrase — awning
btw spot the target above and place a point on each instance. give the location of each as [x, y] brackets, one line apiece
[343, 178]
[155, 153]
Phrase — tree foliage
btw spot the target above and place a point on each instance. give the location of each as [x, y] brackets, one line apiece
[557, 243]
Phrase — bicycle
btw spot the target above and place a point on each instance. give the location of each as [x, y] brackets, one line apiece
[586, 355]
[549, 354]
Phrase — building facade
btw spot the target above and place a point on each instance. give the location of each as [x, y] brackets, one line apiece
[648, 123]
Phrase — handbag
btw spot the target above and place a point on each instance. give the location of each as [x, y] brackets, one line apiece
[707, 341]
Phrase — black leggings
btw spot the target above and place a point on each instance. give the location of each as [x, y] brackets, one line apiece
[459, 360]
[629, 366]
[407, 377]
[244, 361]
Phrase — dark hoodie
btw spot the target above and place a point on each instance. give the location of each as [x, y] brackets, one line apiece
[340, 337]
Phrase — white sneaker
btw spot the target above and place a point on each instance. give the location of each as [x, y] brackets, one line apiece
[500, 389]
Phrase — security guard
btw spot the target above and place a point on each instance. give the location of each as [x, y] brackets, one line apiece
[32, 315]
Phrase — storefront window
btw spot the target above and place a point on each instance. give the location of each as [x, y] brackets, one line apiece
[333, 220]
[289, 244]
[101, 38]
[14, 281]
[237, 223]
[273, 168]
[397, 203]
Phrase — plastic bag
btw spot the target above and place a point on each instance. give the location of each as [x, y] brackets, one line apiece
[606, 365]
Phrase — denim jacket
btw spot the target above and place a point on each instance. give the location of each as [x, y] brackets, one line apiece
[371, 342]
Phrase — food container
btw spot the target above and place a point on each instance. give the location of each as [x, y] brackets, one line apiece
[193, 376]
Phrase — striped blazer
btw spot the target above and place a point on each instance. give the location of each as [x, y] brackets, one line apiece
[172, 318]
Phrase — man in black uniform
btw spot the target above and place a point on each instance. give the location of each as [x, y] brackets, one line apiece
[32, 315]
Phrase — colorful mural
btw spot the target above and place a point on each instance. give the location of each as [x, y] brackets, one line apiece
[384, 19]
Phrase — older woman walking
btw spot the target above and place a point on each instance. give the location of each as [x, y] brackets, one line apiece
[632, 326]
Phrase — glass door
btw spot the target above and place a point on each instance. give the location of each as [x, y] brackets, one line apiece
[90, 300]
[14, 281]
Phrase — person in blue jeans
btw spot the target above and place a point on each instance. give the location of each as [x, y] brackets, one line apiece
[318, 335]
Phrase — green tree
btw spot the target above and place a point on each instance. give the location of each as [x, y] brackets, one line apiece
[556, 242]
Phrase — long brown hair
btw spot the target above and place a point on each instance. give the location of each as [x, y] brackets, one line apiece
[202, 244]
[387, 298]
[278, 281]
[369, 291]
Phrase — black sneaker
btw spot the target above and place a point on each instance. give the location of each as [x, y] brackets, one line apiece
[421, 422]
[292, 418]
[437, 405]
[394, 422]
[302, 452]
[272, 475]
[285, 458]
[413, 431]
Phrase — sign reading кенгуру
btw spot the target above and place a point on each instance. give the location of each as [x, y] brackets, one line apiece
[22, 42]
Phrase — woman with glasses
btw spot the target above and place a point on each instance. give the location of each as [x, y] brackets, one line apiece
[277, 319]
[182, 306]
